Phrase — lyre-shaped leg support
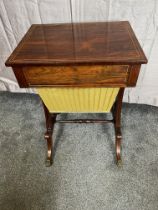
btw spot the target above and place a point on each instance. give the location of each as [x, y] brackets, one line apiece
[117, 124]
[50, 121]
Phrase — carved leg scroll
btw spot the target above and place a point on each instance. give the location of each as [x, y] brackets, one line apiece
[50, 121]
[117, 124]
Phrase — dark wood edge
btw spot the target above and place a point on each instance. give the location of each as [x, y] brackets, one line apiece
[70, 63]
[20, 44]
[79, 85]
[142, 60]
[133, 75]
[20, 77]
[137, 44]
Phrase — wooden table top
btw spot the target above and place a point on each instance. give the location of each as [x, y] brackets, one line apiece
[78, 43]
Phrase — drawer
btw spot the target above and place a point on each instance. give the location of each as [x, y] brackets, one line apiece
[96, 75]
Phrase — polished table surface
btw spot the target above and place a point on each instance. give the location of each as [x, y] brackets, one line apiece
[79, 55]
[73, 54]
[103, 42]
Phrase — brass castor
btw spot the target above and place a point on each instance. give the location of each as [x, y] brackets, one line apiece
[48, 162]
[119, 163]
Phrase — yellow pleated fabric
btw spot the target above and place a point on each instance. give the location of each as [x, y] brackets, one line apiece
[81, 100]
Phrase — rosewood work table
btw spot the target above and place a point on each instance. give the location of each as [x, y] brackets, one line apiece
[79, 67]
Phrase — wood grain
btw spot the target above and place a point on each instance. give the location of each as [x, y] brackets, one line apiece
[133, 75]
[77, 75]
[78, 43]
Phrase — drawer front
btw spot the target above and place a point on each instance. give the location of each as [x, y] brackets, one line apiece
[97, 75]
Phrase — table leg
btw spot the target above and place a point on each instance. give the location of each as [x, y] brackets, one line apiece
[50, 121]
[117, 124]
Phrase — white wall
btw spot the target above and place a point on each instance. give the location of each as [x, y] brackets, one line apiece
[16, 16]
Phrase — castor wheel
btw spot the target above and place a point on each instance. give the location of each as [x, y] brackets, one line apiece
[48, 162]
[119, 163]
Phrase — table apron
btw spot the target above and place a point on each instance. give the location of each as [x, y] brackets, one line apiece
[77, 76]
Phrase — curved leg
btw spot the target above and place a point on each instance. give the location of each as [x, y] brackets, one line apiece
[48, 138]
[50, 121]
[117, 124]
[118, 146]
